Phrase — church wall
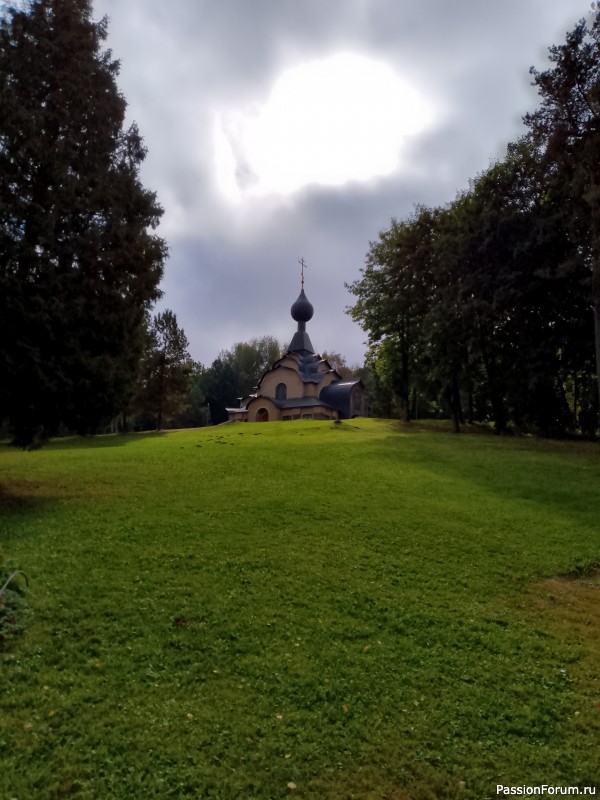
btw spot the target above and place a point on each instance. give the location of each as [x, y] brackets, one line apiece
[311, 412]
[295, 386]
[260, 405]
[327, 379]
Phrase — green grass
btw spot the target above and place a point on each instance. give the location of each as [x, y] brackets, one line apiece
[354, 610]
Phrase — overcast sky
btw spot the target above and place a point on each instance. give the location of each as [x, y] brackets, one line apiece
[279, 129]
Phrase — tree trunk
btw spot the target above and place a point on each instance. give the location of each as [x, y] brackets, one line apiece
[405, 387]
[594, 202]
[470, 404]
[404, 377]
[457, 415]
[597, 338]
[415, 404]
[495, 394]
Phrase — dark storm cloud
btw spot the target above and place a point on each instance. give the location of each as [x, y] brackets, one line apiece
[233, 269]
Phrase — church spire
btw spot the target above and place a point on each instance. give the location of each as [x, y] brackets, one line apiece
[301, 311]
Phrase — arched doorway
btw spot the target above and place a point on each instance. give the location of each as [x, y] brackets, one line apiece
[262, 415]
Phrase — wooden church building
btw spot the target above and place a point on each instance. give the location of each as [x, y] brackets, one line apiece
[301, 385]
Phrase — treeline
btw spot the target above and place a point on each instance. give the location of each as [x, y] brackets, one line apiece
[174, 391]
[488, 308]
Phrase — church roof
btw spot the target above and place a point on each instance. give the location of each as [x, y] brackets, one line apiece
[301, 343]
[299, 402]
[308, 367]
[301, 311]
[338, 395]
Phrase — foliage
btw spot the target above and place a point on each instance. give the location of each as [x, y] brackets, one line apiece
[339, 364]
[469, 308]
[203, 629]
[235, 373]
[79, 266]
[165, 371]
[195, 412]
[481, 308]
[566, 129]
[220, 387]
[250, 360]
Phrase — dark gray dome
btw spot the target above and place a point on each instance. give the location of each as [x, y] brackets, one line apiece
[302, 309]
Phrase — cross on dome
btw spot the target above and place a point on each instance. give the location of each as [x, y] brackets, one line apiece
[302, 264]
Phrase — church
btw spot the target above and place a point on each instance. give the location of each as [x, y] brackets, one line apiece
[301, 384]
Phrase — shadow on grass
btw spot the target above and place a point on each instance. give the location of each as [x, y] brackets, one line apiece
[103, 440]
[18, 497]
[554, 474]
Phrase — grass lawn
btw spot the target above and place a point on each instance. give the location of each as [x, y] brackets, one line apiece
[367, 610]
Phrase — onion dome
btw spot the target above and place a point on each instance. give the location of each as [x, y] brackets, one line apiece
[302, 309]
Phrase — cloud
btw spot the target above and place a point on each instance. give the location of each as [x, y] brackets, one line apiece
[197, 75]
[326, 122]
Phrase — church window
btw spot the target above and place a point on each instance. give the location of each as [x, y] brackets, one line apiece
[281, 391]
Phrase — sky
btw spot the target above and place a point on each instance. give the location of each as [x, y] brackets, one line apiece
[286, 129]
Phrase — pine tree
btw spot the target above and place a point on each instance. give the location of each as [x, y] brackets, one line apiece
[166, 369]
[79, 264]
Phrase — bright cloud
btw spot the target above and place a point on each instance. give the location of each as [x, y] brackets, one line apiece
[326, 122]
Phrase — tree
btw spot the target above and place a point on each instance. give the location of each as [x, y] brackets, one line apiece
[235, 373]
[195, 412]
[339, 364]
[79, 265]
[393, 296]
[250, 360]
[165, 370]
[487, 299]
[566, 130]
[468, 303]
[220, 389]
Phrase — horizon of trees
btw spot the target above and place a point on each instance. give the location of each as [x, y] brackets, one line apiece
[488, 308]
[196, 395]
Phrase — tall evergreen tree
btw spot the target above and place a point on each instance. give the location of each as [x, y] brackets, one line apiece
[79, 265]
[566, 129]
[165, 370]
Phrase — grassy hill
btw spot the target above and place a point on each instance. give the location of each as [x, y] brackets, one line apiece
[364, 610]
